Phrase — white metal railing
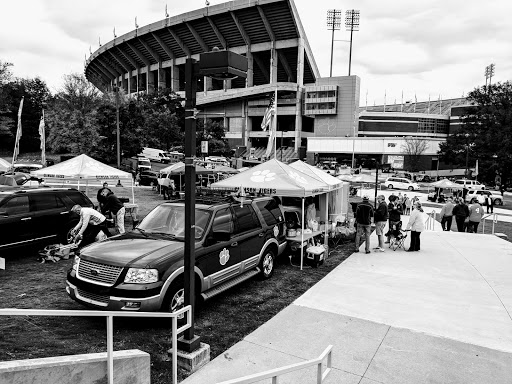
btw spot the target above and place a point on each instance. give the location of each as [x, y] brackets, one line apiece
[431, 220]
[274, 373]
[110, 324]
[493, 217]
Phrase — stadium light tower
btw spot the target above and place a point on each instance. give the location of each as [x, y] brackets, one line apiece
[334, 23]
[352, 24]
[489, 73]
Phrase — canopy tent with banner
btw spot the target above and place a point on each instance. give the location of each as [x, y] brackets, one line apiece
[172, 167]
[443, 184]
[82, 168]
[4, 165]
[276, 179]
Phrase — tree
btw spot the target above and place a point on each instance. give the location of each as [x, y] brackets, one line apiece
[413, 148]
[485, 134]
[71, 117]
[36, 94]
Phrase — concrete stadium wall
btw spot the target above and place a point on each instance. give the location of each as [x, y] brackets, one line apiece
[130, 366]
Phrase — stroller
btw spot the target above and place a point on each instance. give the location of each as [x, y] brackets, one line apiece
[397, 236]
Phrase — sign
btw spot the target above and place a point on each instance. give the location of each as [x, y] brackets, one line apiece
[396, 161]
[204, 146]
[2, 263]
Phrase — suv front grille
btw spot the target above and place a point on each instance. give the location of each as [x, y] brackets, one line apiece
[101, 273]
[92, 297]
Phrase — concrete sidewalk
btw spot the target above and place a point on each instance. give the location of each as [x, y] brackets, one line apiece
[441, 315]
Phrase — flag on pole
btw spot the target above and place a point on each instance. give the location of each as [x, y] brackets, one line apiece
[18, 134]
[476, 169]
[267, 117]
[402, 103]
[43, 140]
[415, 102]
[428, 108]
[440, 104]
[273, 126]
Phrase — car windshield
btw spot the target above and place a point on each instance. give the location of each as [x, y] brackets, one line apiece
[169, 219]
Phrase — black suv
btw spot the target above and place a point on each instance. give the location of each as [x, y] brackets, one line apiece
[37, 216]
[143, 270]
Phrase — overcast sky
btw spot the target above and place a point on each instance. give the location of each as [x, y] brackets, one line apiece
[437, 47]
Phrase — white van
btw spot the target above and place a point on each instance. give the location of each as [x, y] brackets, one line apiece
[154, 154]
[469, 184]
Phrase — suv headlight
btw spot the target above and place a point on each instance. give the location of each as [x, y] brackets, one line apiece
[76, 260]
[141, 276]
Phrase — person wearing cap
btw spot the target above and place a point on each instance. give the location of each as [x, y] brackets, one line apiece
[99, 196]
[364, 214]
[416, 226]
[90, 224]
[116, 207]
[381, 216]
[394, 212]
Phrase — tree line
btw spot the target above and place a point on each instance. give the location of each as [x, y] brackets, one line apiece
[81, 120]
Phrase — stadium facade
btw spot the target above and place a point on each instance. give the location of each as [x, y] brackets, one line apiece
[317, 117]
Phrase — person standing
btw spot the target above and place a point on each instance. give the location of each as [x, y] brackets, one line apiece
[381, 216]
[475, 215]
[364, 214]
[394, 212]
[461, 212]
[446, 215]
[490, 203]
[116, 207]
[407, 205]
[90, 224]
[416, 225]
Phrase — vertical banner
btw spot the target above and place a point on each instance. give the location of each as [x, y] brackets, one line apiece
[18, 135]
[43, 140]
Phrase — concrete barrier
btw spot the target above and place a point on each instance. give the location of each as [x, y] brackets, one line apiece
[130, 366]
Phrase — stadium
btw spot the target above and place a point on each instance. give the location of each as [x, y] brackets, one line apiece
[318, 118]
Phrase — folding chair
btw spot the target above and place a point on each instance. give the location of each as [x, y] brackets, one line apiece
[398, 236]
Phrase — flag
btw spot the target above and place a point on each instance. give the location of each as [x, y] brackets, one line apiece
[402, 103]
[415, 102]
[18, 135]
[43, 140]
[272, 124]
[428, 108]
[267, 117]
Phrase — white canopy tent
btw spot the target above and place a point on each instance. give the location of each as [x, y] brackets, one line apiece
[83, 168]
[278, 179]
[4, 165]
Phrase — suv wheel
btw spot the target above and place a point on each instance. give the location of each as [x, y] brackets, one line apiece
[498, 202]
[175, 297]
[411, 188]
[267, 264]
[390, 186]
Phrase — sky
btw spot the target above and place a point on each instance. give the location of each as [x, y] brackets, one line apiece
[436, 48]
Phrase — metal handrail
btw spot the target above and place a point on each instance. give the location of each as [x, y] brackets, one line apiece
[494, 221]
[110, 325]
[274, 373]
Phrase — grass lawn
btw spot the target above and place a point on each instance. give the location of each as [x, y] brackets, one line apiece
[221, 321]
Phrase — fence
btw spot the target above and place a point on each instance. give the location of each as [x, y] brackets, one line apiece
[494, 218]
[110, 324]
[274, 373]
[431, 221]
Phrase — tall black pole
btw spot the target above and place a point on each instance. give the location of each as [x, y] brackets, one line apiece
[190, 342]
[332, 46]
[351, 33]
[118, 133]
[376, 181]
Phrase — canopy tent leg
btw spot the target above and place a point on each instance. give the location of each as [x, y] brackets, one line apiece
[133, 194]
[302, 238]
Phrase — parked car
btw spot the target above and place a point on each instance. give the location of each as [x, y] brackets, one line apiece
[37, 216]
[155, 155]
[470, 184]
[481, 196]
[149, 178]
[143, 270]
[400, 183]
[26, 167]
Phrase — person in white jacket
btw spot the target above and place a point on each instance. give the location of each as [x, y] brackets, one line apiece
[416, 225]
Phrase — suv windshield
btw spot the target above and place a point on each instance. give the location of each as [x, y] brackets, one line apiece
[169, 219]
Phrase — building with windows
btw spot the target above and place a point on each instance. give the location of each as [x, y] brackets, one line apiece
[317, 117]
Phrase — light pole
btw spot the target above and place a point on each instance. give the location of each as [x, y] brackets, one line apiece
[489, 73]
[118, 133]
[352, 24]
[333, 22]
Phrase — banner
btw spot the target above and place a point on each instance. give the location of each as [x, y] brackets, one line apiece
[43, 140]
[18, 135]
